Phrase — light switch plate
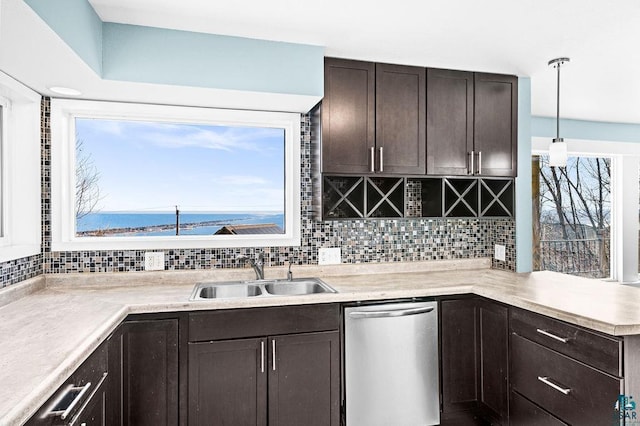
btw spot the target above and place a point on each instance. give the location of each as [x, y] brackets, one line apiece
[329, 256]
[153, 260]
[500, 252]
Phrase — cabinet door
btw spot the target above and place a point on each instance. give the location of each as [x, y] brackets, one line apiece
[494, 360]
[304, 377]
[400, 119]
[150, 372]
[495, 124]
[348, 114]
[459, 347]
[228, 382]
[449, 121]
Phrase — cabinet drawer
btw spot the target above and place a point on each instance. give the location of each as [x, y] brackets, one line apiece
[74, 393]
[595, 349]
[523, 412]
[574, 392]
[254, 322]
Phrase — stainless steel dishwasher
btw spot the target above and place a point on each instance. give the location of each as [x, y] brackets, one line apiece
[391, 364]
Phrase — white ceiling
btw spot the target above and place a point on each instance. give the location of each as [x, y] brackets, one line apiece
[601, 83]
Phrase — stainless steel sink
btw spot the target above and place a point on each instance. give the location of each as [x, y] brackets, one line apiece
[259, 288]
[293, 287]
[228, 291]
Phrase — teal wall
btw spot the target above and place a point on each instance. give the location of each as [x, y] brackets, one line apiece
[590, 130]
[163, 56]
[156, 55]
[77, 24]
[524, 213]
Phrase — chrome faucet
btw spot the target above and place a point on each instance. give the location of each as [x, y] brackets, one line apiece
[257, 264]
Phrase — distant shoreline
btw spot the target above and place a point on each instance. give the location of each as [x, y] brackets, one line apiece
[153, 228]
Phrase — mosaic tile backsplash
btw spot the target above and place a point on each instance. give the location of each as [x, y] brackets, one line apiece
[395, 240]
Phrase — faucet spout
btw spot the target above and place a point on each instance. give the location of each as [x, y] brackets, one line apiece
[257, 264]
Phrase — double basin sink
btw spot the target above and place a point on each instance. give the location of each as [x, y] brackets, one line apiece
[259, 288]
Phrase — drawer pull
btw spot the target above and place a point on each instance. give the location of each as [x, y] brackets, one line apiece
[553, 336]
[62, 406]
[546, 381]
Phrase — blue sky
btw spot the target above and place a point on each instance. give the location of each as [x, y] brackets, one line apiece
[153, 166]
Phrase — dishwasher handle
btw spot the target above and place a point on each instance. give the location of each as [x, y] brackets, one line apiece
[390, 313]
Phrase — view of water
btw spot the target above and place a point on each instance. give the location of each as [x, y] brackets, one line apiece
[190, 223]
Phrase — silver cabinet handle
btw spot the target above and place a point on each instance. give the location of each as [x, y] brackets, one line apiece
[546, 381]
[390, 313]
[479, 162]
[83, 390]
[262, 356]
[553, 336]
[471, 162]
[381, 159]
[273, 353]
[373, 159]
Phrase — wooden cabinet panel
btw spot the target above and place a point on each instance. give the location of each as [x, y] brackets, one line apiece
[228, 382]
[576, 393]
[150, 372]
[400, 119]
[474, 360]
[257, 322]
[304, 381]
[459, 354]
[348, 116]
[494, 359]
[449, 121]
[495, 124]
[525, 413]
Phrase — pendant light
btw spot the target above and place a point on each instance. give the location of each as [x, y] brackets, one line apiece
[558, 147]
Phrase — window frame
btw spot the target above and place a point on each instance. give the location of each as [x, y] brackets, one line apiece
[20, 171]
[63, 114]
[624, 233]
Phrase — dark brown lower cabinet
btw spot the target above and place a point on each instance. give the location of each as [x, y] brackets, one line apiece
[144, 361]
[474, 345]
[278, 366]
[227, 382]
[304, 379]
[232, 382]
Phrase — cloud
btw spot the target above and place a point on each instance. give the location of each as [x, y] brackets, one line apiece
[224, 138]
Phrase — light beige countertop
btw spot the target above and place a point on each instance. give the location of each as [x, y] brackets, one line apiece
[50, 325]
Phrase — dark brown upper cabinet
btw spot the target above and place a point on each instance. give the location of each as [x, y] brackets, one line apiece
[373, 118]
[495, 124]
[449, 122]
[400, 119]
[348, 116]
[471, 123]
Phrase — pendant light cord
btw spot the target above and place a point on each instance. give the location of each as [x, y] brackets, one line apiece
[558, 106]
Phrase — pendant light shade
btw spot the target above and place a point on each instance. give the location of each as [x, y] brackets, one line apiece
[558, 153]
[558, 148]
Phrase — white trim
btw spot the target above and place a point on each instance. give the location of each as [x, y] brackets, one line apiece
[625, 163]
[63, 113]
[20, 171]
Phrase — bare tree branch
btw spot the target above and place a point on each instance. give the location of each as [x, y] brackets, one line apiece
[87, 179]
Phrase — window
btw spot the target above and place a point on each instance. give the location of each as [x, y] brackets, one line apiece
[150, 176]
[572, 216]
[601, 214]
[20, 226]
